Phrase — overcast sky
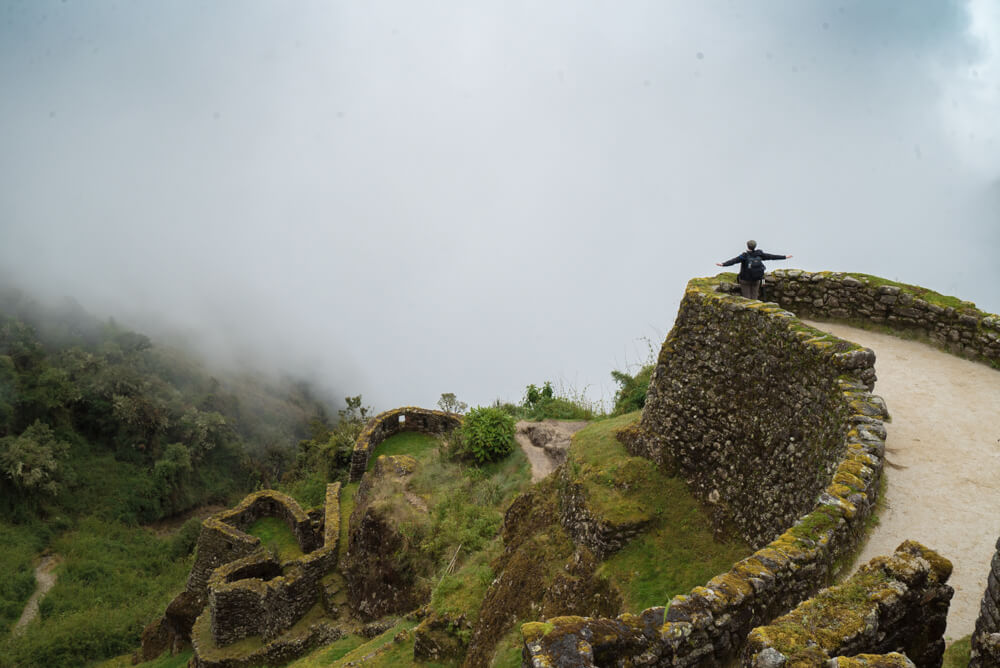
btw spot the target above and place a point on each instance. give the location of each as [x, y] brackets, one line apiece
[403, 198]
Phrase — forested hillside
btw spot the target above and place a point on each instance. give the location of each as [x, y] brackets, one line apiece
[103, 430]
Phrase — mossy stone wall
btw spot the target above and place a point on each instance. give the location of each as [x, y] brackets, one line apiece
[700, 400]
[892, 603]
[986, 638]
[387, 424]
[953, 324]
[236, 589]
[746, 404]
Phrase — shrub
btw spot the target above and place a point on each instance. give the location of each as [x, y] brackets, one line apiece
[631, 394]
[487, 435]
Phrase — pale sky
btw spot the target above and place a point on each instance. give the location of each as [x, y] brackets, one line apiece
[402, 198]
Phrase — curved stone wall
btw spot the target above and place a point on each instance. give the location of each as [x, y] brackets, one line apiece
[237, 589]
[748, 405]
[745, 401]
[956, 325]
[389, 423]
[257, 595]
[893, 603]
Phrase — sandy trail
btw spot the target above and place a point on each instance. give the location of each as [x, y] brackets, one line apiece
[544, 443]
[46, 579]
[943, 455]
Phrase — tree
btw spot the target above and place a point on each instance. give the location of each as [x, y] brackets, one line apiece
[33, 460]
[450, 404]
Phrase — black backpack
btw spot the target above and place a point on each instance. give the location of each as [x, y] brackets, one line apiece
[755, 266]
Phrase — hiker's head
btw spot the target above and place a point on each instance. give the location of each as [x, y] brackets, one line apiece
[751, 244]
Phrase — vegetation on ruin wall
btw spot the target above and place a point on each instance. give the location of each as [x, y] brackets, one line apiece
[413, 443]
[464, 510]
[276, 536]
[929, 296]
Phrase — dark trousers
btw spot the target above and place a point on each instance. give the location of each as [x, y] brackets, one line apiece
[750, 289]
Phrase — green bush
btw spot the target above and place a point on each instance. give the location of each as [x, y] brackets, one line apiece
[631, 394]
[486, 435]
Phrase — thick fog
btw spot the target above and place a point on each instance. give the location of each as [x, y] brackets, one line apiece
[401, 199]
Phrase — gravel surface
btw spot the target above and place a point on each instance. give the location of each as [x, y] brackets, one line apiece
[943, 455]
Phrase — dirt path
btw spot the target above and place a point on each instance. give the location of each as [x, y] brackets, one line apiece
[943, 455]
[545, 443]
[46, 579]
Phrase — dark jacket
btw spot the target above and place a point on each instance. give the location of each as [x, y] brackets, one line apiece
[744, 257]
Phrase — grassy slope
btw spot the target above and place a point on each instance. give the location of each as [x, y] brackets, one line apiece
[678, 551]
[465, 509]
[674, 554]
[392, 648]
[410, 443]
[112, 582]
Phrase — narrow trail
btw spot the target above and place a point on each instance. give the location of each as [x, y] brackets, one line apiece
[943, 461]
[46, 579]
[545, 443]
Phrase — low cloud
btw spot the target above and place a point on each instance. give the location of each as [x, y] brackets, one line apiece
[401, 200]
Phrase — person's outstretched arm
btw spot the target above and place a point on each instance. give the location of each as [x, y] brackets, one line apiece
[769, 256]
[736, 259]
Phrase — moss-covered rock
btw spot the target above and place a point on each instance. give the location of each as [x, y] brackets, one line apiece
[383, 565]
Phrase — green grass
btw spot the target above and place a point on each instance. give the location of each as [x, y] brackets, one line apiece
[413, 443]
[332, 653]
[620, 488]
[180, 660]
[462, 592]
[384, 651]
[276, 536]
[957, 654]
[677, 551]
[508, 651]
[19, 544]
[114, 580]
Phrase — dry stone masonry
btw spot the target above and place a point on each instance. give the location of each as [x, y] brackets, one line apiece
[896, 603]
[986, 637]
[773, 424]
[389, 423]
[237, 589]
[956, 325]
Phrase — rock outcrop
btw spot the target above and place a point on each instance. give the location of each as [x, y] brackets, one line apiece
[382, 577]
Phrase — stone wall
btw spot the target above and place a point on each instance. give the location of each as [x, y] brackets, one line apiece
[892, 604]
[236, 589]
[271, 503]
[747, 404]
[745, 400]
[986, 637]
[257, 596]
[951, 323]
[590, 528]
[391, 422]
